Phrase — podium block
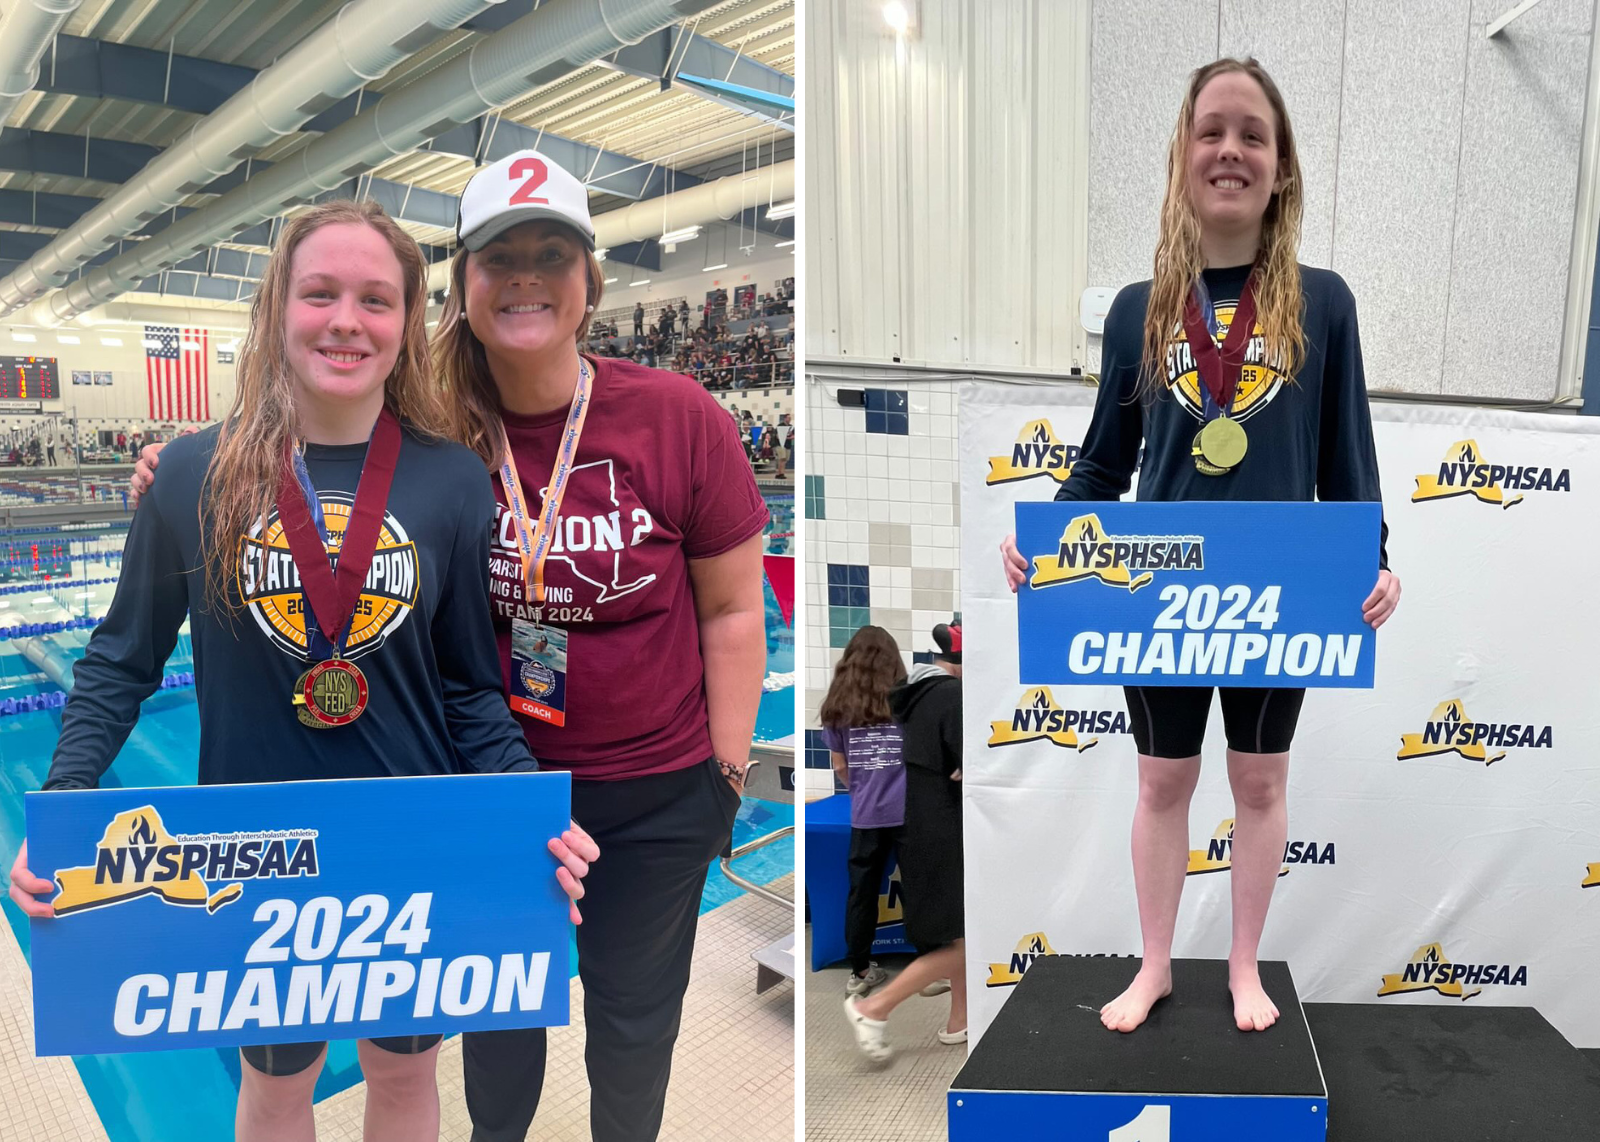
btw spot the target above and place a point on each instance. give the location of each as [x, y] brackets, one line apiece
[1452, 1071]
[1047, 1068]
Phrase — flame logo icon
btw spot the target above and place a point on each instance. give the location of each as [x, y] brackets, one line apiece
[141, 833]
[1041, 434]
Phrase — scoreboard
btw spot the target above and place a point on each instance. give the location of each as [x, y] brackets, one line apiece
[29, 378]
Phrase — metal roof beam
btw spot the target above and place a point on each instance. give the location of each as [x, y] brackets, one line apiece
[607, 172]
[21, 245]
[31, 208]
[175, 283]
[402, 202]
[75, 156]
[100, 69]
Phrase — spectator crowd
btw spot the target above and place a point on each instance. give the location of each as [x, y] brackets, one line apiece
[706, 349]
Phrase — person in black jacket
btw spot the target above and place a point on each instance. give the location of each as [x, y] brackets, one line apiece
[928, 707]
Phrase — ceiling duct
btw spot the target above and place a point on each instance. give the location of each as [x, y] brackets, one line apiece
[554, 40]
[361, 43]
[26, 30]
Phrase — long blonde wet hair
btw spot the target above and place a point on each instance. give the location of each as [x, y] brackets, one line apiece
[1179, 259]
[471, 399]
[242, 479]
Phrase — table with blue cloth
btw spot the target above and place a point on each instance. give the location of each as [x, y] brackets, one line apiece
[828, 886]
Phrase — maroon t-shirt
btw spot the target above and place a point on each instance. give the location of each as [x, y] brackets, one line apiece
[660, 478]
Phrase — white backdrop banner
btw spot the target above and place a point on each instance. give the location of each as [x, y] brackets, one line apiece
[1444, 835]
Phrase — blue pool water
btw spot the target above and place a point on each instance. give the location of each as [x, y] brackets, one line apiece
[775, 719]
[138, 1095]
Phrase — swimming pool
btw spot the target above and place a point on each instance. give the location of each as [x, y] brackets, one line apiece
[137, 1096]
[775, 719]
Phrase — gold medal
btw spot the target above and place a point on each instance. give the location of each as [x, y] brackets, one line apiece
[331, 693]
[1219, 446]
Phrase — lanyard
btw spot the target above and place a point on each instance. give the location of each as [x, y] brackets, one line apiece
[1219, 368]
[534, 545]
[333, 592]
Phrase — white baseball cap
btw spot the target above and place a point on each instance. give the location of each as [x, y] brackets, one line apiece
[522, 187]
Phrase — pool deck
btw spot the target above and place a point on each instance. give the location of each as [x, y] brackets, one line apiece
[733, 1074]
[39, 1098]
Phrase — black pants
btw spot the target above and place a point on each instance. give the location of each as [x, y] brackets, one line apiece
[657, 835]
[870, 850]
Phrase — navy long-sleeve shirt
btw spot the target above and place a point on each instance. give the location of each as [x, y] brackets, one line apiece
[422, 632]
[1310, 437]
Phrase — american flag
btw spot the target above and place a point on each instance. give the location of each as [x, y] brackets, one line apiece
[176, 373]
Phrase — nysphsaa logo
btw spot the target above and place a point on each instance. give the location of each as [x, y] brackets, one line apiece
[1450, 730]
[1031, 948]
[137, 856]
[1431, 970]
[1465, 471]
[891, 906]
[1038, 718]
[1037, 452]
[1129, 561]
[1217, 856]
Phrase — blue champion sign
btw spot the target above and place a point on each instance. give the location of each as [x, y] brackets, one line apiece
[226, 915]
[1193, 594]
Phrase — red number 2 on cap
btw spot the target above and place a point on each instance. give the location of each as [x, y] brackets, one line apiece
[537, 172]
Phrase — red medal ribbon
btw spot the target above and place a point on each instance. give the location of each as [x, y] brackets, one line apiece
[333, 593]
[1220, 370]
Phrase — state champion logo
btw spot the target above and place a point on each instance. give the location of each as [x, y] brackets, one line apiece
[269, 583]
[1259, 380]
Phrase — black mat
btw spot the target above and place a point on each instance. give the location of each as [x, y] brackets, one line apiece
[1048, 1036]
[1462, 1073]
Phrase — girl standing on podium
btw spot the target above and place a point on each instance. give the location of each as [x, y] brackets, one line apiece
[1239, 372]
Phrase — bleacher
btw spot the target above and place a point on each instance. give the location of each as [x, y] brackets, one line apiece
[622, 315]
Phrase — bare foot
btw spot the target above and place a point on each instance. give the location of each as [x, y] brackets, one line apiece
[1252, 1009]
[1128, 1010]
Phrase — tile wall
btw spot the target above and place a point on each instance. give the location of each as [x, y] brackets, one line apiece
[883, 515]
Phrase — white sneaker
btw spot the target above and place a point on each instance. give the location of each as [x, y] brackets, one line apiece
[869, 1033]
[937, 987]
[873, 977]
[951, 1038]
